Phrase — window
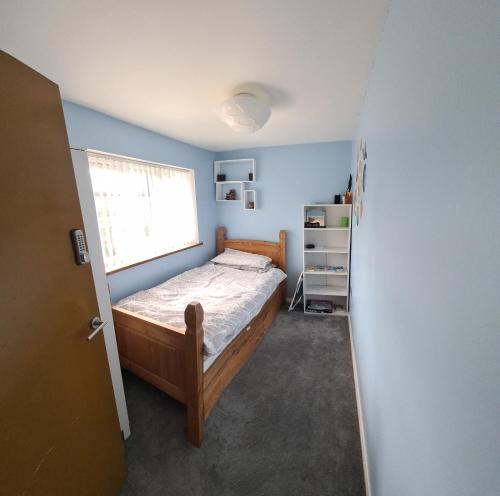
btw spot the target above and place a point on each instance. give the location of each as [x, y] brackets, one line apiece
[144, 210]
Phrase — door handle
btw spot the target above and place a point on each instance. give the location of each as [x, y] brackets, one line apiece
[97, 325]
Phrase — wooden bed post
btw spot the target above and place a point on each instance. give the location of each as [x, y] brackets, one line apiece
[193, 317]
[282, 250]
[221, 235]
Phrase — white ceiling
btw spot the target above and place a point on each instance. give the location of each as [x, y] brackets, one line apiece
[166, 65]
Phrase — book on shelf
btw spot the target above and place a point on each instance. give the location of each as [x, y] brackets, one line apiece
[319, 306]
[323, 306]
[324, 268]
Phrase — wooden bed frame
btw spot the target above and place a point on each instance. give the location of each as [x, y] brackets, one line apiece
[172, 359]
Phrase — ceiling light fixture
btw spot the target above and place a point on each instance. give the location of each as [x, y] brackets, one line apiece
[244, 113]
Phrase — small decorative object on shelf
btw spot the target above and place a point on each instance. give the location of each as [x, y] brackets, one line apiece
[251, 205]
[250, 176]
[221, 178]
[337, 200]
[315, 217]
[310, 246]
[231, 194]
[344, 222]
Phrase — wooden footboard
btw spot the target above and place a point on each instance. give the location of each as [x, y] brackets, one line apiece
[153, 351]
[167, 357]
[172, 359]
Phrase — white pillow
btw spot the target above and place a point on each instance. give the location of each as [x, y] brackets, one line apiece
[241, 258]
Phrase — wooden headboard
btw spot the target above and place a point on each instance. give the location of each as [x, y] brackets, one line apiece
[275, 251]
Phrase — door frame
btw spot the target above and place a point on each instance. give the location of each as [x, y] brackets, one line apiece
[87, 204]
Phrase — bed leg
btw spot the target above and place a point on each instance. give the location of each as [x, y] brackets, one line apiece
[193, 317]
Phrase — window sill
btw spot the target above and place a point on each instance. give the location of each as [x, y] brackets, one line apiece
[151, 259]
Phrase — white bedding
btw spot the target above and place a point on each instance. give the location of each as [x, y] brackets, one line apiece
[230, 298]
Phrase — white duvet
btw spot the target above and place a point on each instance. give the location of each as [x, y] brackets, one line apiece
[230, 298]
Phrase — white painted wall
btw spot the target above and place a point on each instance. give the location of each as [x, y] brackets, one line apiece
[425, 272]
[84, 185]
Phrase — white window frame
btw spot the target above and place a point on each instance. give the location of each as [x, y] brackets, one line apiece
[152, 164]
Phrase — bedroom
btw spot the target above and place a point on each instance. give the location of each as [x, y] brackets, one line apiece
[396, 393]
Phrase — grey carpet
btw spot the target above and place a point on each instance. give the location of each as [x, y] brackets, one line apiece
[287, 424]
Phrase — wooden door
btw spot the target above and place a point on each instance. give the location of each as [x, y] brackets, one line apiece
[59, 432]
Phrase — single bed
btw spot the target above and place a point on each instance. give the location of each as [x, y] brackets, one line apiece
[162, 339]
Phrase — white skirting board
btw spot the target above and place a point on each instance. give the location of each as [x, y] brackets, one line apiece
[364, 453]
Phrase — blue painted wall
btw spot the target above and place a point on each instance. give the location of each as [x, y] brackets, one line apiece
[90, 129]
[425, 266]
[287, 177]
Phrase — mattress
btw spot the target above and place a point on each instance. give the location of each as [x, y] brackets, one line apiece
[230, 298]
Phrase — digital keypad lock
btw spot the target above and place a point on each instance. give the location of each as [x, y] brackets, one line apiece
[79, 247]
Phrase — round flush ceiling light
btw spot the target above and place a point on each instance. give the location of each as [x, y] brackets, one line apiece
[245, 113]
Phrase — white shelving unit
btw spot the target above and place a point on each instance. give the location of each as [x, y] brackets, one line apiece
[239, 174]
[327, 228]
[332, 245]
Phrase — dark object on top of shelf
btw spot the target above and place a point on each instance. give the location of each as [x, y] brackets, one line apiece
[313, 224]
[310, 246]
[348, 193]
[250, 176]
[349, 184]
[337, 199]
[231, 194]
[221, 177]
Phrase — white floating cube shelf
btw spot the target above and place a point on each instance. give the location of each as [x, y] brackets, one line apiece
[222, 188]
[236, 171]
[237, 176]
[249, 195]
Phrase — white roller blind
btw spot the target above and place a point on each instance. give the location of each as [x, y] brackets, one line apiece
[144, 209]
